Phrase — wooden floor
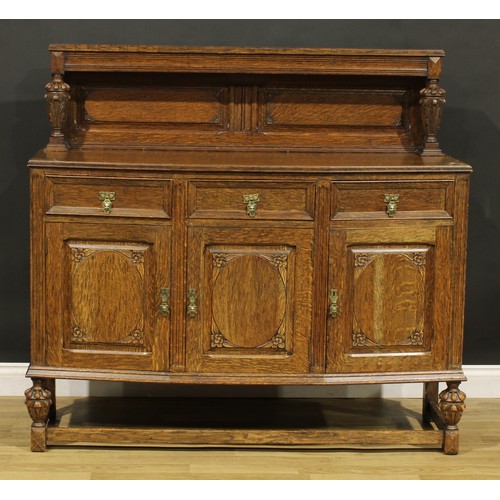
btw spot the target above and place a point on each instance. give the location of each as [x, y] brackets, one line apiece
[479, 456]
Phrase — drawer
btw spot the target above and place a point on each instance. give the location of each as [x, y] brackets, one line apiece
[392, 199]
[108, 196]
[251, 200]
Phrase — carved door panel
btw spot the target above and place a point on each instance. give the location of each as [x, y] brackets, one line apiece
[249, 304]
[108, 290]
[392, 293]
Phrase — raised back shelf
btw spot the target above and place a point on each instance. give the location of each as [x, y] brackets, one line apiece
[258, 98]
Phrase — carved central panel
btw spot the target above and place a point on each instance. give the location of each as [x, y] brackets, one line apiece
[248, 298]
[104, 277]
[389, 297]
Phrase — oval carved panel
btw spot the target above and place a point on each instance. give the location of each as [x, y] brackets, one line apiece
[249, 301]
[389, 299]
[107, 296]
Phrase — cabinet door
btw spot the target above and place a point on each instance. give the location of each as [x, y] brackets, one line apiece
[249, 307]
[392, 288]
[104, 295]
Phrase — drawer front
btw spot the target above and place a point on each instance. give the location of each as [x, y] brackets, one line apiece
[108, 196]
[392, 199]
[251, 200]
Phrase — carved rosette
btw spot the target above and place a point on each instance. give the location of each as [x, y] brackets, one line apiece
[280, 261]
[135, 337]
[79, 336]
[279, 341]
[38, 401]
[452, 404]
[432, 102]
[137, 257]
[418, 258]
[219, 260]
[359, 339]
[79, 254]
[362, 259]
[57, 98]
[217, 340]
[416, 338]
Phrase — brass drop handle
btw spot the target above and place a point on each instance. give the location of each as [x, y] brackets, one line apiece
[392, 201]
[107, 199]
[192, 308]
[165, 295]
[334, 307]
[251, 201]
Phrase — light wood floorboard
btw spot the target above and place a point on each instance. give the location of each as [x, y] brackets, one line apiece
[479, 456]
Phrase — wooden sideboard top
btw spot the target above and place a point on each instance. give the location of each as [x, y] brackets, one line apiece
[241, 50]
[247, 161]
[247, 60]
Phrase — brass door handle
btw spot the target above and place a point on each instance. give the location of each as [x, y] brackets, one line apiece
[251, 201]
[192, 308]
[107, 198]
[334, 307]
[165, 295]
[392, 201]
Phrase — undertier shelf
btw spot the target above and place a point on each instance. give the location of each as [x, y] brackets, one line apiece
[242, 423]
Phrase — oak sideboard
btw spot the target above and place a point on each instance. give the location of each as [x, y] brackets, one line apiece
[247, 216]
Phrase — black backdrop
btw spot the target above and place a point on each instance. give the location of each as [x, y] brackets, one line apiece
[470, 131]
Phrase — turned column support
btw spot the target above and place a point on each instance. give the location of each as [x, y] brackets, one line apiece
[57, 97]
[431, 110]
[39, 402]
[452, 405]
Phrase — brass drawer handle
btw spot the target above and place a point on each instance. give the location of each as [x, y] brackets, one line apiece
[192, 309]
[165, 295]
[392, 201]
[107, 199]
[334, 307]
[251, 201]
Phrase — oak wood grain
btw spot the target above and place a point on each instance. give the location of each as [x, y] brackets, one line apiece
[234, 272]
[249, 162]
[98, 270]
[422, 199]
[213, 201]
[242, 422]
[81, 196]
[224, 199]
[138, 375]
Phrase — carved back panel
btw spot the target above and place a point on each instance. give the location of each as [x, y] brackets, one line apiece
[251, 98]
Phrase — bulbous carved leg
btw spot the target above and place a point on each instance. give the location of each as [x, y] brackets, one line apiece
[38, 401]
[452, 405]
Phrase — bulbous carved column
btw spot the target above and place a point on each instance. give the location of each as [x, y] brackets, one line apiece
[452, 405]
[57, 98]
[432, 102]
[38, 401]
